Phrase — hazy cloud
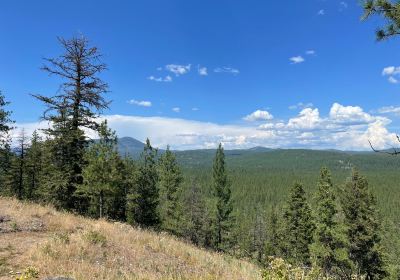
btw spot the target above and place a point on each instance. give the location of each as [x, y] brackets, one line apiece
[140, 103]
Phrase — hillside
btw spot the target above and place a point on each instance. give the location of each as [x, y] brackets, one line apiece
[62, 244]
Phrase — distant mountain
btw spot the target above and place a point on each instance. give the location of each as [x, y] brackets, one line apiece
[130, 146]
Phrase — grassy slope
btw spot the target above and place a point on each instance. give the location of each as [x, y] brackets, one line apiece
[63, 244]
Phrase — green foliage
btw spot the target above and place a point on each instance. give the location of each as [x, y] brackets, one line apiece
[75, 107]
[329, 247]
[95, 237]
[101, 174]
[223, 220]
[170, 186]
[30, 272]
[143, 199]
[299, 227]
[363, 227]
[389, 11]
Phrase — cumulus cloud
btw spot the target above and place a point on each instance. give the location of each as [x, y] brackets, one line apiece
[160, 79]
[297, 59]
[140, 103]
[258, 115]
[345, 127]
[350, 115]
[227, 70]
[176, 109]
[202, 71]
[393, 73]
[178, 69]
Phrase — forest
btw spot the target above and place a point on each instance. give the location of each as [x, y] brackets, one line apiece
[331, 214]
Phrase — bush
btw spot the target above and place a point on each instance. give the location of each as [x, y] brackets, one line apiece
[30, 272]
[95, 237]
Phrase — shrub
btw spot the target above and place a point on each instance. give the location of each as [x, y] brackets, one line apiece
[95, 237]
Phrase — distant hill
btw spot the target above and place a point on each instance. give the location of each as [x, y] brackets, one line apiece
[55, 244]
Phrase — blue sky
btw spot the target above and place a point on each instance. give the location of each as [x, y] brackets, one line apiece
[243, 73]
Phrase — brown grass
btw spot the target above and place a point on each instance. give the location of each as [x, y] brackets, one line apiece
[63, 244]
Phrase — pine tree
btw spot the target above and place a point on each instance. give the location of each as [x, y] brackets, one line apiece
[74, 108]
[273, 242]
[363, 228]
[170, 184]
[100, 173]
[298, 227]
[223, 221]
[34, 159]
[330, 252]
[259, 235]
[143, 200]
[19, 166]
[196, 220]
[5, 144]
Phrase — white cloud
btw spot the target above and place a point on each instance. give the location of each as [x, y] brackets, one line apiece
[202, 71]
[389, 110]
[140, 103]
[178, 69]
[160, 79]
[176, 109]
[321, 12]
[297, 59]
[227, 70]
[393, 80]
[310, 52]
[258, 115]
[308, 119]
[393, 73]
[350, 115]
[301, 105]
[346, 128]
[195, 109]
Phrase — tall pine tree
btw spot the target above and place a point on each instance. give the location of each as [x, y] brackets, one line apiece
[170, 186]
[76, 106]
[329, 247]
[143, 199]
[299, 227]
[363, 226]
[223, 220]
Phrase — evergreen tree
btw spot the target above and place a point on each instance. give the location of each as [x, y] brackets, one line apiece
[196, 223]
[330, 252]
[143, 200]
[389, 11]
[74, 108]
[19, 166]
[34, 166]
[5, 141]
[273, 242]
[100, 173]
[363, 228]
[259, 235]
[170, 181]
[298, 227]
[223, 221]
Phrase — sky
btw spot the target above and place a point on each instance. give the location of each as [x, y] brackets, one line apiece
[192, 74]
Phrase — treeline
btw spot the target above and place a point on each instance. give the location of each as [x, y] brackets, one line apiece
[340, 234]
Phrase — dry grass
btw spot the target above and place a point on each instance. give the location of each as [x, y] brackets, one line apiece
[63, 244]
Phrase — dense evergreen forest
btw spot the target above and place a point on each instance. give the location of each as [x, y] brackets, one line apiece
[260, 204]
